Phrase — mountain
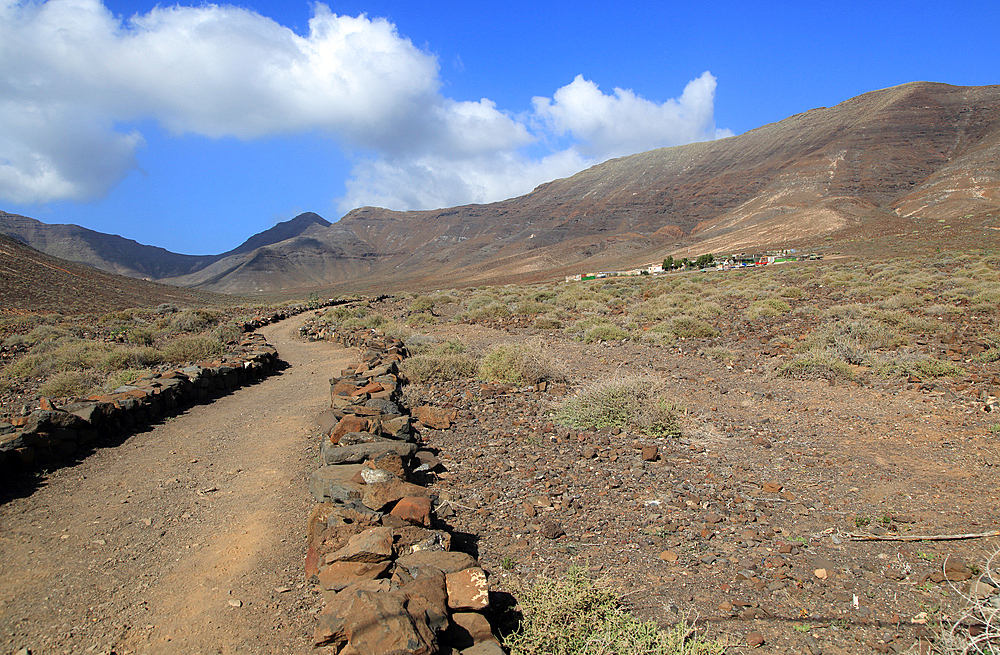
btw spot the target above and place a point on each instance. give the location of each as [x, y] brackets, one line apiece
[917, 161]
[33, 281]
[116, 254]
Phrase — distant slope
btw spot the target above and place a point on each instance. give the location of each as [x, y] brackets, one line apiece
[884, 164]
[107, 252]
[116, 254]
[33, 281]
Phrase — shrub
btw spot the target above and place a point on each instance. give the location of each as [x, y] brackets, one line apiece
[976, 629]
[130, 357]
[578, 616]
[531, 307]
[67, 383]
[816, 364]
[519, 364]
[768, 307]
[166, 308]
[685, 327]
[140, 336]
[421, 318]
[422, 304]
[637, 403]
[438, 367]
[192, 320]
[489, 311]
[191, 349]
[720, 355]
[547, 323]
[604, 332]
[908, 363]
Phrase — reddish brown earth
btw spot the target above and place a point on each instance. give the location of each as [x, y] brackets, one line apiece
[731, 523]
[187, 538]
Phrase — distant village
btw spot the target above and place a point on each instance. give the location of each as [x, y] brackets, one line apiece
[702, 263]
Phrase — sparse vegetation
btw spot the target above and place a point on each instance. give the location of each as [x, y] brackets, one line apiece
[637, 403]
[575, 615]
[519, 364]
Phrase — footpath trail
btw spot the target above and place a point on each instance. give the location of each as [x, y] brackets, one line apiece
[186, 538]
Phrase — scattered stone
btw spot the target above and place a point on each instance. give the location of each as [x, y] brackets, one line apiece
[551, 530]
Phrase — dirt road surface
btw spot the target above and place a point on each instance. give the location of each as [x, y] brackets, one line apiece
[186, 538]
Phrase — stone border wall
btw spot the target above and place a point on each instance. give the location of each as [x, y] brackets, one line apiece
[391, 582]
[52, 435]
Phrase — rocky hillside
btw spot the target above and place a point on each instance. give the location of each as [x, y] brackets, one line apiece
[887, 163]
[33, 281]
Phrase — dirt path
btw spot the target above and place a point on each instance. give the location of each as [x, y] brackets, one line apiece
[187, 538]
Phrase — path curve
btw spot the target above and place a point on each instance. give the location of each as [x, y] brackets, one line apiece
[186, 538]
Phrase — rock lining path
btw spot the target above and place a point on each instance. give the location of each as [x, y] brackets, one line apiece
[187, 537]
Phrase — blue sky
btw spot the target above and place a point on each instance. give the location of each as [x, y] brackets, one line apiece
[194, 126]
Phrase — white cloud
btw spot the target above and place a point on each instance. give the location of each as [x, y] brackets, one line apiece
[624, 123]
[70, 71]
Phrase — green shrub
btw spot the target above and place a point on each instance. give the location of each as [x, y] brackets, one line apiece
[816, 364]
[122, 377]
[422, 304]
[438, 367]
[531, 307]
[547, 323]
[768, 307]
[605, 332]
[903, 364]
[637, 403]
[685, 327]
[192, 320]
[719, 354]
[191, 349]
[489, 311]
[421, 318]
[125, 357]
[140, 336]
[67, 383]
[519, 364]
[578, 616]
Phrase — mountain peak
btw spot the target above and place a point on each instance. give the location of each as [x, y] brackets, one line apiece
[284, 230]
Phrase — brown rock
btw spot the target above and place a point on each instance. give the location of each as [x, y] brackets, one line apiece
[431, 589]
[371, 545]
[392, 463]
[350, 423]
[755, 639]
[668, 556]
[467, 589]
[434, 417]
[551, 530]
[414, 509]
[340, 575]
[428, 562]
[467, 629]
[377, 496]
[365, 623]
[650, 453]
[771, 487]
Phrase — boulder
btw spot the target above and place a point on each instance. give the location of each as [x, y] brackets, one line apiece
[361, 452]
[468, 589]
[334, 483]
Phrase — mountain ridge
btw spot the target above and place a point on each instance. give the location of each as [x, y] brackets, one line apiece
[888, 161]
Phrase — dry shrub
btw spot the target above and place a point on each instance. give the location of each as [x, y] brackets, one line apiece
[820, 363]
[438, 367]
[575, 615]
[976, 631]
[902, 364]
[686, 327]
[768, 307]
[519, 364]
[632, 402]
[191, 349]
[67, 383]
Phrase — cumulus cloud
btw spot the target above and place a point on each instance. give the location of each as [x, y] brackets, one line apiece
[624, 123]
[72, 73]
